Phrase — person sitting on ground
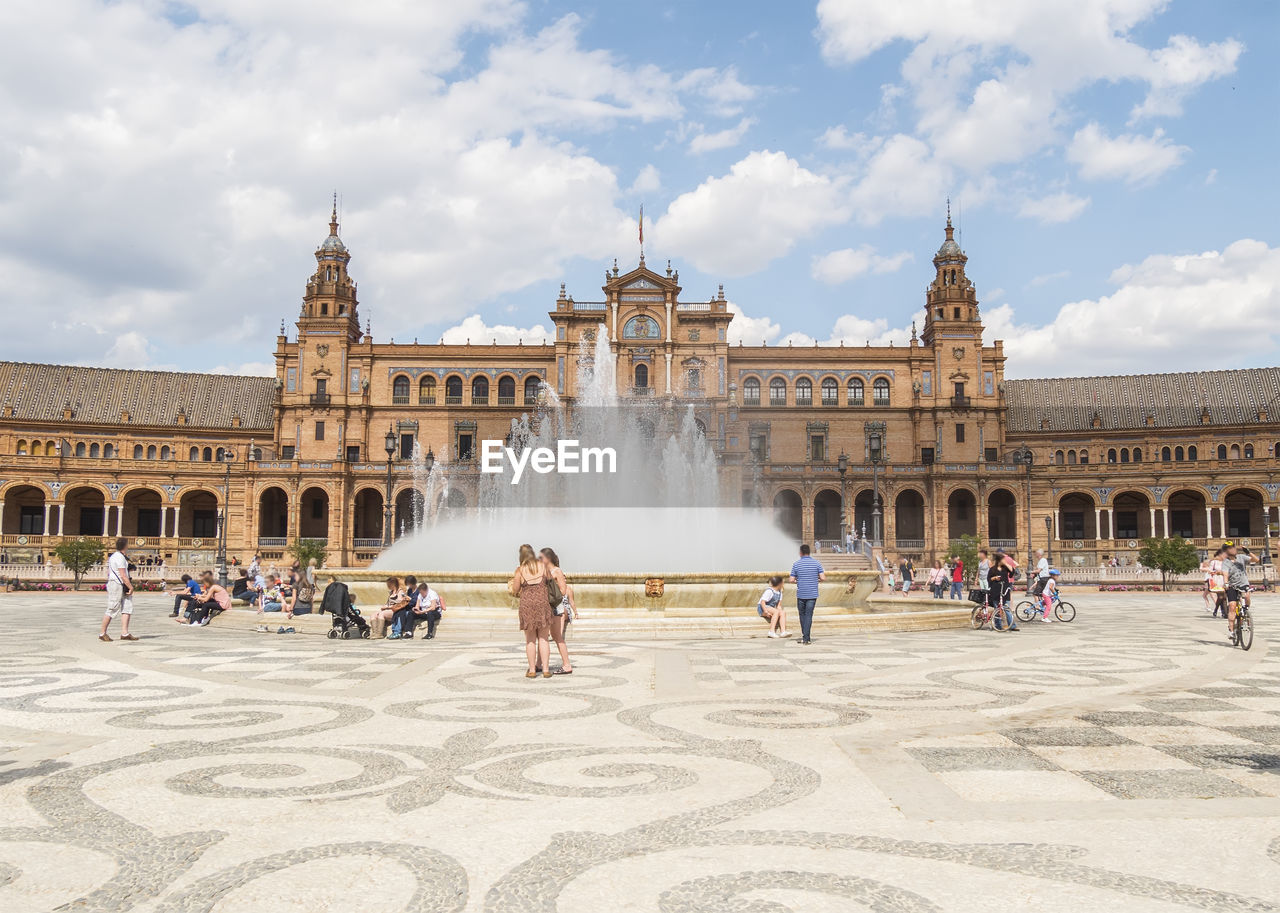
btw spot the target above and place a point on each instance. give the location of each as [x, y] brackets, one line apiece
[403, 619]
[242, 589]
[212, 600]
[187, 593]
[397, 599]
[770, 608]
[273, 597]
[429, 608]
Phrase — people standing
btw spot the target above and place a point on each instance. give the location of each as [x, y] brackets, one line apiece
[529, 585]
[769, 607]
[806, 573]
[906, 573]
[937, 578]
[1216, 583]
[119, 593]
[980, 578]
[562, 614]
[999, 585]
[957, 577]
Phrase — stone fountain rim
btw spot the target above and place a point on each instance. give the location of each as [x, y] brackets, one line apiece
[380, 574]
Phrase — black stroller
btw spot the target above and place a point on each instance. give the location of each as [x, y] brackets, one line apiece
[347, 620]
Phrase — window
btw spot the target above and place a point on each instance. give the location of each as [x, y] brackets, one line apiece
[204, 524]
[532, 384]
[466, 447]
[1235, 451]
[1071, 457]
[1180, 524]
[1166, 454]
[149, 521]
[151, 452]
[777, 392]
[453, 390]
[751, 392]
[93, 451]
[1072, 523]
[1112, 457]
[1222, 451]
[221, 454]
[1124, 454]
[1248, 451]
[322, 387]
[137, 451]
[400, 391]
[960, 433]
[990, 455]
[1126, 524]
[319, 431]
[80, 449]
[1179, 454]
[480, 391]
[760, 446]
[318, 508]
[817, 447]
[406, 446]
[926, 456]
[31, 520]
[641, 378]
[165, 452]
[427, 391]
[959, 390]
[353, 453]
[286, 452]
[693, 382]
[804, 392]
[1239, 522]
[192, 456]
[506, 390]
[1137, 454]
[1059, 457]
[830, 392]
[22, 448]
[1084, 456]
[880, 391]
[855, 391]
[108, 451]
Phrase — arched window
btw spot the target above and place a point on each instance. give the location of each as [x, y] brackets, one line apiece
[506, 390]
[1111, 456]
[480, 390]
[108, 451]
[1124, 454]
[804, 392]
[137, 451]
[880, 391]
[1191, 453]
[830, 392]
[93, 451]
[80, 449]
[532, 384]
[1166, 454]
[257, 453]
[221, 454]
[1222, 451]
[642, 379]
[427, 390]
[1059, 457]
[194, 455]
[166, 453]
[777, 392]
[400, 390]
[856, 391]
[207, 455]
[1137, 454]
[1248, 451]
[751, 391]
[1178, 455]
[1071, 457]
[453, 390]
[151, 452]
[1235, 452]
[1084, 456]
[22, 448]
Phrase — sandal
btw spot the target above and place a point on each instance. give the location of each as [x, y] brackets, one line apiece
[531, 675]
[562, 671]
[546, 675]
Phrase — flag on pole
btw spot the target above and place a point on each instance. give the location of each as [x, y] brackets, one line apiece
[642, 225]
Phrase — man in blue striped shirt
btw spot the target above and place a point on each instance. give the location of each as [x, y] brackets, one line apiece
[805, 574]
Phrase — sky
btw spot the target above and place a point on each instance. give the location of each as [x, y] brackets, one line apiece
[166, 170]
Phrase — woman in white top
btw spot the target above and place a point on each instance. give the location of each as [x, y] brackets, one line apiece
[770, 608]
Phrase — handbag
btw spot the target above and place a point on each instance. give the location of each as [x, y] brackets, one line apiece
[554, 595]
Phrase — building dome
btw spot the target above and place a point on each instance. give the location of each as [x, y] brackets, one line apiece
[333, 243]
[950, 250]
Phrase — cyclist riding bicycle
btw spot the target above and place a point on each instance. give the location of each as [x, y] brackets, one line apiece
[1236, 566]
[1049, 594]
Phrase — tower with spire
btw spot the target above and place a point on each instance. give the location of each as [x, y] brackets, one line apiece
[329, 306]
[951, 310]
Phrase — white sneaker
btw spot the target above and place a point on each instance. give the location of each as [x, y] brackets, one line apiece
[1046, 620]
[774, 634]
[785, 634]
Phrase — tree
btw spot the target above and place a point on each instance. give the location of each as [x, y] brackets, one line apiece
[78, 555]
[966, 549]
[304, 550]
[1170, 556]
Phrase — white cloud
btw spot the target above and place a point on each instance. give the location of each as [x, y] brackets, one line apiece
[722, 139]
[248, 369]
[902, 179]
[1211, 177]
[129, 350]
[839, 138]
[1046, 278]
[474, 330]
[1158, 319]
[722, 90]
[751, 331]
[738, 223]
[649, 180]
[842, 265]
[1181, 66]
[1131, 158]
[849, 330]
[1053, 209]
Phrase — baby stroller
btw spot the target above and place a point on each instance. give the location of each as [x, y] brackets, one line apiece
[347, 620]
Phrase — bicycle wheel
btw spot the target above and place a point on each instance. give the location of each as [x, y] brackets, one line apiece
[1244, 631]
[1025, 610]
[1064, 611]
[978, 617]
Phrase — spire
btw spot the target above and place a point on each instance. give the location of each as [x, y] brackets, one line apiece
[333, 217]
[950, 230]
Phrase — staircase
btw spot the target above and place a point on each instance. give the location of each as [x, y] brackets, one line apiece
[844, 563]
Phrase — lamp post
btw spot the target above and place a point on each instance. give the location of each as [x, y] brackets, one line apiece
[875, 451]
[1048, 538]
[227, 456]
[386, 507]
[1024, 456]
[842, 463]
[428, 462]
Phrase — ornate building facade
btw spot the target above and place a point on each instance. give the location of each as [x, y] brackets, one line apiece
[341, 444]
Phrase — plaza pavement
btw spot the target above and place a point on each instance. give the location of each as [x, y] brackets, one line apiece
[1127, 761]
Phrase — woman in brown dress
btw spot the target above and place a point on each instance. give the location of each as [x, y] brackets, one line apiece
[529, 583]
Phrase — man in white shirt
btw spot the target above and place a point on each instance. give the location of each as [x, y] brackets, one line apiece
[119, 593]
[1042, 572]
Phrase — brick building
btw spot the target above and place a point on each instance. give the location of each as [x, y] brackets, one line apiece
[950, 446]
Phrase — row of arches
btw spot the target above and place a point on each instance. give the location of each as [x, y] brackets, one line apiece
[802, 393]
[908, 514]
[93, 450]
[401, 385]
[85, 511]
[1239, 513]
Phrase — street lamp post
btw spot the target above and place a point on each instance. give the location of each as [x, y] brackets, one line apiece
[227, 456]
[875, 451]
[842, 463]
[1024, 456]
[428, 463]
[386, 506]
[1048, 538]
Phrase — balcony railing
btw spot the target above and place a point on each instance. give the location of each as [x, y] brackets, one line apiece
[1005, 544]
[320, 399]
[960, 402]
[400, 400]
[506, 400]
[910, 545]
[751, 401]
[365, 544]
[453, 400]
[642, 391]
[426, 399]
[273, 541]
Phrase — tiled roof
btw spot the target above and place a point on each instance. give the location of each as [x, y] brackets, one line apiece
[100, 395]
[1125, 401]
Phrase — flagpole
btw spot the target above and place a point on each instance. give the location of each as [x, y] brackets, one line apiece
[642, 234]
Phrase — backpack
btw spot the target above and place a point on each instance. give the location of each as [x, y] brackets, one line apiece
[553, 591]
[336, 599]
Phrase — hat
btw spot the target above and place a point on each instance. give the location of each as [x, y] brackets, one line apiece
[1228, 544]
[1054, 572]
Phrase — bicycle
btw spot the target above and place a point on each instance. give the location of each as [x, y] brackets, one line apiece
[986, 615]
[1242, 631]
[1028, 609]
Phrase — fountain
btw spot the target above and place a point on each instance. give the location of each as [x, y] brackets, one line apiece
[651, 537]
